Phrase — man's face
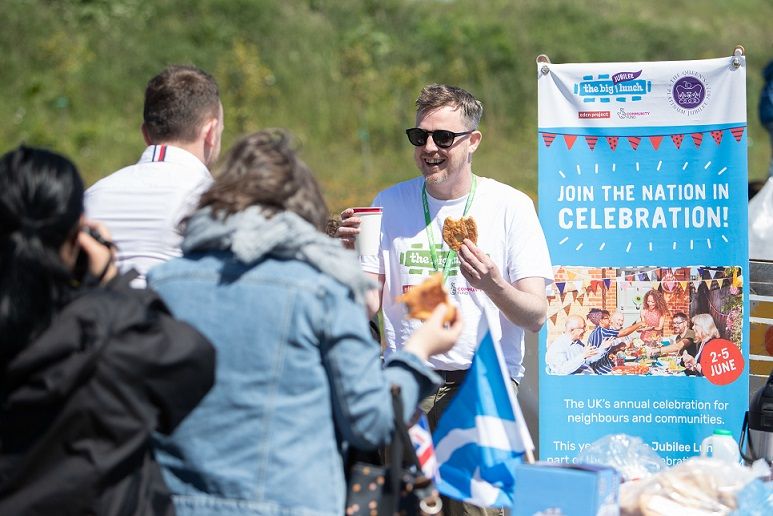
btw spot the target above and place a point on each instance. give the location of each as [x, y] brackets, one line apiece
[604, 322]
[577, 332]
[439, 165]
[680, 325]
[616, 321]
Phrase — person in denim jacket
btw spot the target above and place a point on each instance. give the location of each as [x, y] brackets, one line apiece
[299, 378]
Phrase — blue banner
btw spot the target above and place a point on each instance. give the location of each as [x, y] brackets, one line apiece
[643, 198]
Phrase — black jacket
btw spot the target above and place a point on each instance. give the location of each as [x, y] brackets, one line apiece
[78, 406]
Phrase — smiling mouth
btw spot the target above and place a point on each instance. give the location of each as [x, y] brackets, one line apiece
[433, 162]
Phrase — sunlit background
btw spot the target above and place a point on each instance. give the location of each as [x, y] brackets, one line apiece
[341, 74]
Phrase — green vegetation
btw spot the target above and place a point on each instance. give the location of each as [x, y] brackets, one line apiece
[341, 74]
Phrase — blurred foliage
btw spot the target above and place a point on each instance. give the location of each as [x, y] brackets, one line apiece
[341, 74]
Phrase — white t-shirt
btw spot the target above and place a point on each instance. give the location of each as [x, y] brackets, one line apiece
[508, 231]
[142, 205]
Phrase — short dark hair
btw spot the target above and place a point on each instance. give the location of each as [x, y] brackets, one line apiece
[596, 314]
[680, 315]
[41, 202]
[435, 96]
[263, 169]
[177, 102]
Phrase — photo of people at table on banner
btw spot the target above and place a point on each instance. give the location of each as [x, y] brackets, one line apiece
[646, 321]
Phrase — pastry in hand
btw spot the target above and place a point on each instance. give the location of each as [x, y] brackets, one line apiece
[456, 230]
[422, 299]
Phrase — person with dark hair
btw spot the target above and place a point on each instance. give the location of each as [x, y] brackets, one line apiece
[299, 378]
[683, 339]
[653, 317]
[765, 108]
[601, 339]
[143, 204]
[89, 367]
[498, 282]
[761, 203]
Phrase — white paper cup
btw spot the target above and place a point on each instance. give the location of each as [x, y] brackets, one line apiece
[369, 237]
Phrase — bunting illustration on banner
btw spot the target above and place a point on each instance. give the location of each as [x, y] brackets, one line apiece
[634, 141]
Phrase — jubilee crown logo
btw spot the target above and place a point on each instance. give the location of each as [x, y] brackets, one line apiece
[619, 87]
[689, 92]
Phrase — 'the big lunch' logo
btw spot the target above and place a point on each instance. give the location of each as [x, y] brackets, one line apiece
[689, 92]
[618, 87]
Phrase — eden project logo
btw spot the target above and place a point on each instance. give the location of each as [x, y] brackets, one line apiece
[418, 260]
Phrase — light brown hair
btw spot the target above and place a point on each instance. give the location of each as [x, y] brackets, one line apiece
[263, 169]
[435, 96]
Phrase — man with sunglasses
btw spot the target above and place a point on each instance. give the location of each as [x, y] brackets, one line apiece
[498, 283]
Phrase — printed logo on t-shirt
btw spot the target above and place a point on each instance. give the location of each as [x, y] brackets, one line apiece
[459, 290]
[418, 260]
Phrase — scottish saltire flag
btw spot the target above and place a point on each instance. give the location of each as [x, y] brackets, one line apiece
[481, 436]
[422, 445]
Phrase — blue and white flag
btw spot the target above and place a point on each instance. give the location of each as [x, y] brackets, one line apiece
[481, 436]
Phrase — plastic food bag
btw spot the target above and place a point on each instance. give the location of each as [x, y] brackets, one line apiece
[629, 455]
[695, 487]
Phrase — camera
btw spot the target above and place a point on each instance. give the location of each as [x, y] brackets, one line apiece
[81, 269]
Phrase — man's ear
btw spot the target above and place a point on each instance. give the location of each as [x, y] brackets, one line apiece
[145, 134]
[475, 138]
[209, 132]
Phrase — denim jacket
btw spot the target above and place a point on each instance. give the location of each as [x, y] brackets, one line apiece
[298, 378]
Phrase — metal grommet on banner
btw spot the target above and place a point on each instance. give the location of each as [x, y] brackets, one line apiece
[737, 53]
[545, 61]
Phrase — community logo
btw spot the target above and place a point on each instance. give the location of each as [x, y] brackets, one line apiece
[689, 92]
[621, 86]
[627, 114]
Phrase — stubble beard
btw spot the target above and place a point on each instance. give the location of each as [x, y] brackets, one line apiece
[436, 178]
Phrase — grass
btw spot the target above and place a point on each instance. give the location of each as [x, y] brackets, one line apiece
[341, 74]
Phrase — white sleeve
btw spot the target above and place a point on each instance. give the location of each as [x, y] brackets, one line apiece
[528, 254]
[561, 362]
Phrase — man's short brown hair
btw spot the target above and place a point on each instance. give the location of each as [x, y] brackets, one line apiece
[436, 96]
[177, 102]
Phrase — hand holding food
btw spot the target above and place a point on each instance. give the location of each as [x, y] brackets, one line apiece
[422, 299]
[455, 231]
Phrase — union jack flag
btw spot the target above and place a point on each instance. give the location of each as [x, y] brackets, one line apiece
[422, 445]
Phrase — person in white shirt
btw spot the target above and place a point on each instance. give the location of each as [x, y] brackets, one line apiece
[143, 205]
[498, 283]
[568, 354]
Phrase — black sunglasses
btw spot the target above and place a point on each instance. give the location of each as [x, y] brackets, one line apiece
[442, 138]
